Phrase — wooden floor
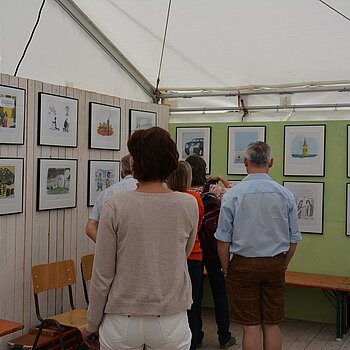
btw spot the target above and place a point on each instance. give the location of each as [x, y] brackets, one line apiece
[297, 335]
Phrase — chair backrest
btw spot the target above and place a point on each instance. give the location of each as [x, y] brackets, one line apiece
[53, 275]
[87, 262]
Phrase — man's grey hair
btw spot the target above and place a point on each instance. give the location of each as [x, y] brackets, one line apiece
[259, 154]
[125, 165]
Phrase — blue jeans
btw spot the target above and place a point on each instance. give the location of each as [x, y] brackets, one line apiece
[219, 293]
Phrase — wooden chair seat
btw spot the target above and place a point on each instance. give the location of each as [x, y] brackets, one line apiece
[73, 318]
[57, 275]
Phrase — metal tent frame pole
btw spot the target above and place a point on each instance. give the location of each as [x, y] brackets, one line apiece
[102, 41]
[256, 108]
[261, 91]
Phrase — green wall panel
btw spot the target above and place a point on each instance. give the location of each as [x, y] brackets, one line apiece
[328, 253]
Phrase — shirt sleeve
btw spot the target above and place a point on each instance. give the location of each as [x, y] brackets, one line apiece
[96, 210]
[226, 221]
[193, 233]
[294, 232]
[104, 268]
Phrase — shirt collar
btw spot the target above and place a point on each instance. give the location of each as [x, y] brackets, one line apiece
[257, 176]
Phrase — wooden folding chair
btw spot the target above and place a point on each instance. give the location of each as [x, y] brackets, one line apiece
[86, 265]
[52, 276]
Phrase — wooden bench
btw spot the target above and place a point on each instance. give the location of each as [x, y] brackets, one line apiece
[8, 327]
[337, 287]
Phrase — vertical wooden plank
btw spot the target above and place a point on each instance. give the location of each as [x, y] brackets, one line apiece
[20, 289]
[11, 258]
[40, 218]
[47, 242]
[58, 254]
[3, 230]
[81, 241]
[4, 237]
[29, 204]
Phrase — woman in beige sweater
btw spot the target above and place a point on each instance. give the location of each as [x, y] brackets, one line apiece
[140, 289]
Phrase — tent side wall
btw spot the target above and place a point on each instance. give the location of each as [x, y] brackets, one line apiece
[325, 253]
[35, 237]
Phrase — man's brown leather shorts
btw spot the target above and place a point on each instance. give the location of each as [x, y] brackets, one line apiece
[256, 289]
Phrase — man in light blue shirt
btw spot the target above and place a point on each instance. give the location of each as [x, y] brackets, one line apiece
[128, 183]
[258, 224]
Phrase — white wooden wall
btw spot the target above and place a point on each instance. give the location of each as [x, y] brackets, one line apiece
[35, 237]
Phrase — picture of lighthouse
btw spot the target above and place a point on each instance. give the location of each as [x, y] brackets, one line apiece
[304, 150]
[304, 147]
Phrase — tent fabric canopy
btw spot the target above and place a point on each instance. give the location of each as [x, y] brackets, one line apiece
[225, 45]
[228, 43]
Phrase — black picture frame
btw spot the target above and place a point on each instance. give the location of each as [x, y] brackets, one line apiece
[347, 212]
[304, 150]
[57, 120]
[12, 106]
[235, 152]
[104, 126]
[307, 197]
[11, 185]
[57, 183]
[106, 165]
[141, 119]
[195, 141]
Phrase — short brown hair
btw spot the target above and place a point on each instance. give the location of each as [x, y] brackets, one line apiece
[180, 179]
[154, 153]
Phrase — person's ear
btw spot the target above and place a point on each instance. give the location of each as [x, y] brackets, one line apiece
[245, 162]
[271, 163]
[131, 163]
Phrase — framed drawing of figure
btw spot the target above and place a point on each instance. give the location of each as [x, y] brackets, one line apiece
[102, 174]
[58, 120]
[309, 202]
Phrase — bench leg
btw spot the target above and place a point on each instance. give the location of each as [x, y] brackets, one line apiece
[340, 313]
[345, 314]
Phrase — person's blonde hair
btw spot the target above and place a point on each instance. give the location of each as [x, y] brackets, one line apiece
[180, 179]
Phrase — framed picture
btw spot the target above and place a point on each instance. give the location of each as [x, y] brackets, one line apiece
[347, 226]
[194, 141]
[57, 183]
[348, 151]
[102, 174]
[304, 150]
[239, 137]
[11, 185]
[141, 119]
[58, 120]
[12, 115]
[104, 130]
[309, 201]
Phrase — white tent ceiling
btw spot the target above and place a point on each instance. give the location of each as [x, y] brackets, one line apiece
[224, 45]
[229, 43]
